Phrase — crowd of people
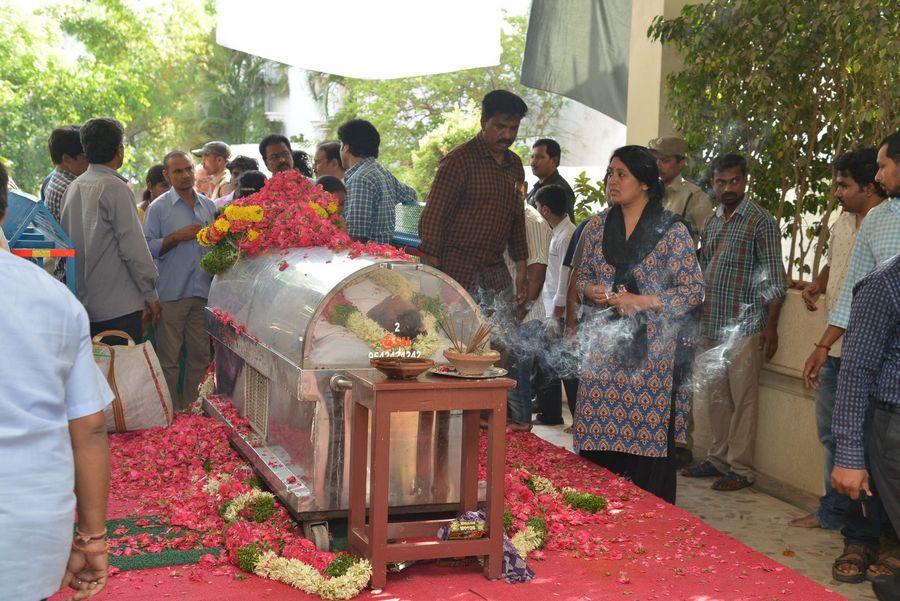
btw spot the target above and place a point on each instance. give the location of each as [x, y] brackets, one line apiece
[661, 296]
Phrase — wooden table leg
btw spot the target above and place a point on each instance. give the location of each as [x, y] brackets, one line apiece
[468, 465]
[379, 490]
[359, 431]
[495, 485]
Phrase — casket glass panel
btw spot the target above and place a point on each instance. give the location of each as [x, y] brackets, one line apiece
[324, 310]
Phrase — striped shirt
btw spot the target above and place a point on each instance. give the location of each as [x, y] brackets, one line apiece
[742, 267]
[537, 235]
[372, 193]
[57, 183]
[877, 241]
[871, 360]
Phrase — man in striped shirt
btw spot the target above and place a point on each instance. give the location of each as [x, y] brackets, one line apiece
[740, 254]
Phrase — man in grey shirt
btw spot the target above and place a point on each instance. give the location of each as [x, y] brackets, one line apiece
[115, 273]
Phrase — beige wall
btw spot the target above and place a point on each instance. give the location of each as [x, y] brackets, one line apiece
[787, 446]
[648, 64]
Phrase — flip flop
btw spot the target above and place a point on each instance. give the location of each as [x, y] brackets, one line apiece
[731, 481]
[704, 469]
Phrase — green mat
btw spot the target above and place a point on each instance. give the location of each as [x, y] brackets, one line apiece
[162, 559]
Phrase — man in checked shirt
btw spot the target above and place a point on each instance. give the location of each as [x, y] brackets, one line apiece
[474, 211]
[740, 254]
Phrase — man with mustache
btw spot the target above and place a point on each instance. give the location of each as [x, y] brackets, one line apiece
[474, 210]
[276, 153]
[740, 255]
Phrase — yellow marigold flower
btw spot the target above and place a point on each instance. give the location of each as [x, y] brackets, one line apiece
[222, 225]
[232, 212]
[254, 213]
[252, 235]
[332, 207]
[201, 237]
[318, 210]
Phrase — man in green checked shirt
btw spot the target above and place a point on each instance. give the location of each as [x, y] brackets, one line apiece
[740, 254]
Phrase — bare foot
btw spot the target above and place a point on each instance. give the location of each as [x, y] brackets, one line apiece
[807, 521]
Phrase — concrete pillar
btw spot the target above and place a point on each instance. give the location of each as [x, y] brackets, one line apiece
[648, 64]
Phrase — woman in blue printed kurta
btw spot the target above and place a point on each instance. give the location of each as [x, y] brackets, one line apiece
[639, 280]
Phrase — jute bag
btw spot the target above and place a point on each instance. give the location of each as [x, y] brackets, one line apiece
[142, 398]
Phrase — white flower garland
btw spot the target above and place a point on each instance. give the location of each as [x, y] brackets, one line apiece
[543, 486]
[527, 540]
[306, 578]
[212, 485]
[240, 502]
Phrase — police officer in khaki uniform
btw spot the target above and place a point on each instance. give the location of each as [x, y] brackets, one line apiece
[682, 197]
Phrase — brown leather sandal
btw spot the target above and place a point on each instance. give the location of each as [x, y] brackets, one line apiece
[887, 564]
[856, 557]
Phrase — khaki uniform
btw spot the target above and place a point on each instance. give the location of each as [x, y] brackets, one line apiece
[690, 202]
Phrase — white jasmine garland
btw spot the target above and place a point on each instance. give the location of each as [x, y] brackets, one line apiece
[212, 485]
[527, 540]
[544, 486]
[393, 282]
[240, 502]
[303, 576]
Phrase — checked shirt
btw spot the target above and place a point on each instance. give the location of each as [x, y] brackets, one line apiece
[474, 212]
[372, 194]
[742, 268]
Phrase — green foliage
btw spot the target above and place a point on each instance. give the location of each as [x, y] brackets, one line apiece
[342, 313]
[248, 557]
[507, 521]
[589, 197]
[789, 84]
[584, 500]
[220, 258]
[154, 66]
[405, 110]
[262, 508]
[458, 126]
[339, 565]
[254, 482]
[429, 304]
[540, 526]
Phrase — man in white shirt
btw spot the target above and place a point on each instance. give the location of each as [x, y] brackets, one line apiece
[529, 339]
[52, 437]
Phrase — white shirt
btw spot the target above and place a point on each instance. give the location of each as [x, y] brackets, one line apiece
[537, 234]
[557, 281]
[840, 249]
[48, 378]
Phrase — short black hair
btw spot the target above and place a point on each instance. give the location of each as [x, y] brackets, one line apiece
[250, 182]
[4, 190]
[101, 138]
[893, 146]
[155, 175]
[175, 153]
[65, 140]
[862, 166]
[502, 102]
[331, 184]
[332, 150]
[728, 161]
[553, 197]
[552, 146]
[302, 162]
[243, 163]
[360, 137]
[272, 139]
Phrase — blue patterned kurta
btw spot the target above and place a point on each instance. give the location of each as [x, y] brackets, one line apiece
[628, 410]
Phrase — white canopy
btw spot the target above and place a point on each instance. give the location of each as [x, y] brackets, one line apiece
[365, 39]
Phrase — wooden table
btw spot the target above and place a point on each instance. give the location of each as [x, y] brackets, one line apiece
[374, 398]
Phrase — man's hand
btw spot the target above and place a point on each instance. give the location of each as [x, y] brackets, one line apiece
[188, 232]
[768, 340]
[813, 364]
[87, 573]
[810, 295]
[155, 309]
[849, 481]
[521, 288]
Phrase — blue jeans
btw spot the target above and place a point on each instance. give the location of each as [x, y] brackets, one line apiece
[833, 505]
[525, 360]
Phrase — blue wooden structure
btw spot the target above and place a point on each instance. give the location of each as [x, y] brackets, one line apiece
[33, 233]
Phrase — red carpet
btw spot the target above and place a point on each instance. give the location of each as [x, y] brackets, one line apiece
[638, 548]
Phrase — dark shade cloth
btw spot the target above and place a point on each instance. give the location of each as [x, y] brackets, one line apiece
[130, 324]
[555, 180]
[473, 213]
[573, 243]
[884, 451]
[580, 50]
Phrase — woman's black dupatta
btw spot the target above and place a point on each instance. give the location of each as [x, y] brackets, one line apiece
[624, 254]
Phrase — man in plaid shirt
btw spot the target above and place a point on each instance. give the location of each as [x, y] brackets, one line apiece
[474, 210]
[372, 190]
[740, 255]
[69, 162]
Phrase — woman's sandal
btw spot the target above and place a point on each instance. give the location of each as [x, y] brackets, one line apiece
[887, 564]
[857, 557]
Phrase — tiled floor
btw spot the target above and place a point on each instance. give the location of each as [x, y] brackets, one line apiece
[758, 520]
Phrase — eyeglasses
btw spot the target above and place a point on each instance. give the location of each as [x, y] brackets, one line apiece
[279, 155]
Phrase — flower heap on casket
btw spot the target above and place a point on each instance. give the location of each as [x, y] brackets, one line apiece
[289, 212]
[343, 313]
